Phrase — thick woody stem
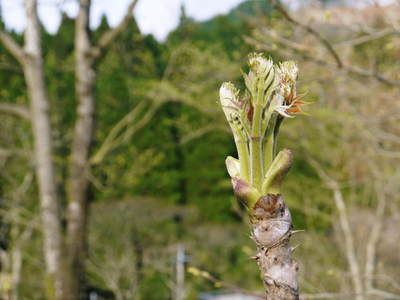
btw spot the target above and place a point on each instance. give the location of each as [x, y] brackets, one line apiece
[272, 224]
[271, 229]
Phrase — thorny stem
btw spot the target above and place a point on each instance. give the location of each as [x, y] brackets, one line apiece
[258, 175]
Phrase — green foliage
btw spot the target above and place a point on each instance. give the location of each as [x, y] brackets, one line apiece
[183, 78]
[186, 180]
[167, 184]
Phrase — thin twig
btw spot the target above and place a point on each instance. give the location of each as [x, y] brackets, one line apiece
[308, 56]
[194, 134]
[366, 38]
[115, 131]
[15, 109]
[109, 36]
[345, 226]
[118, 136]
[309, 29]
[375, 234]
[338, 62]
[12, 46]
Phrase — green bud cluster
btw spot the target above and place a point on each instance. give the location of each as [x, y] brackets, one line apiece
[255, 118]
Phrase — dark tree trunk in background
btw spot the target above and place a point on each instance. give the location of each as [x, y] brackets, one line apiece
[174, 112]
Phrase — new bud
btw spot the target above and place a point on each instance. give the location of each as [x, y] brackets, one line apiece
[247, 194]
[233, 166]
[232, 107]
[260, 65]
[287, 71]
[228, 94]
[261, 78]
[287, 74]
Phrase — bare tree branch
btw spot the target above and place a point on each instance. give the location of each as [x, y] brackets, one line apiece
[380, 187]
[338, 62]
[12, 46]
[5, 153]
[310, 57]
[345, 226]
[6, 66]
[195, 134]
[386, 135]
[115, 131]
[388, 279]
[384, 294]
[15, 109]
[366, 38]
[309, 29]
[109, 36]
[125, 137]
[370, 257]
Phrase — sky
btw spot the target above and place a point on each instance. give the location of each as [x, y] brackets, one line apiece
[153, 16]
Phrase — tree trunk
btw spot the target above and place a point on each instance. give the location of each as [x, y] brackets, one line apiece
[39, 103]
[64, 268]
[373, 241]
[79, 161]
[349, 242]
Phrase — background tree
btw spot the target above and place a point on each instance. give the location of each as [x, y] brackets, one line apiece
[64, 264]
[146, 89]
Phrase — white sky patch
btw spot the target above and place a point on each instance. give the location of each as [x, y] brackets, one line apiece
[158, 17]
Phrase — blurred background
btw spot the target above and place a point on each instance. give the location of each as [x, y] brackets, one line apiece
[158, 217]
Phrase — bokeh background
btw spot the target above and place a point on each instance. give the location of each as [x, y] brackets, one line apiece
[163, 222]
